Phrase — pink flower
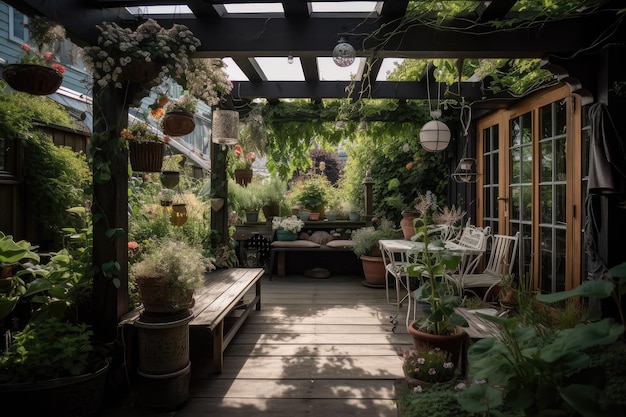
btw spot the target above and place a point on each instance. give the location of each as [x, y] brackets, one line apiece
[432, 371]
[26, 47]
[421, 361]
[133, 245]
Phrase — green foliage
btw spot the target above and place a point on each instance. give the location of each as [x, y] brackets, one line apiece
[272, 190]
[45, 350]
[55, 179]
[312, 190]
[365, 239]
[541, 379]
[437, 401]
[20, 112]
[245, 199]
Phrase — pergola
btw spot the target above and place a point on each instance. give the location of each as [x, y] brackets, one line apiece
[570, 47]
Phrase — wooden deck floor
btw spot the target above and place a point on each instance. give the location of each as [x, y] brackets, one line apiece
[318, 347]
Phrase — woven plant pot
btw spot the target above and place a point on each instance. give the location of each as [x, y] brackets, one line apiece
[139, 71]
[146, 156]
[33, 79]
[156, 296]
[243, 176]
[178, 123]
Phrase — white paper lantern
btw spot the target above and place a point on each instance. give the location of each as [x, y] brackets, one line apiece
[225, 127]
[435, 136]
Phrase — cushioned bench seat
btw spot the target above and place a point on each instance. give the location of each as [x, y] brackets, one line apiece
[282, 247]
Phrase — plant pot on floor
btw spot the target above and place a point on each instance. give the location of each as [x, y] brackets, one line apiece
[455, 344]
[374, 271]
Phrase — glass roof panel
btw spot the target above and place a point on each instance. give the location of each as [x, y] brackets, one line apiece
[279, 69]
[344, 6]
[175, 9]
[329, 71]
[388, 65]
[247, 8]
[234, 72]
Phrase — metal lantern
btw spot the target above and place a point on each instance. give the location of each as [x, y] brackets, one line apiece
[344, 53]
[435, 136]
[225, 127]
[466, 171]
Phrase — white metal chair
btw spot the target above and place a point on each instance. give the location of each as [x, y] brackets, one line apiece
[500, 263]
[395, 269]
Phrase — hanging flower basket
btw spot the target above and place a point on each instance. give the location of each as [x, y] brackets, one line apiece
[146, 156]
[243, 176]
[178, 123]
[139, 71]
[33, 79]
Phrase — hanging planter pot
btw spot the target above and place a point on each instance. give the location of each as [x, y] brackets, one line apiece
[146, 156]
[178, 123]
[243, 176]
[33, 79]
[140, 71]
[170, 179]
[179, 214]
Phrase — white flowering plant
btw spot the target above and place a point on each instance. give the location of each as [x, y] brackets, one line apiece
[171, 49]
[428, 365]
[289, 224]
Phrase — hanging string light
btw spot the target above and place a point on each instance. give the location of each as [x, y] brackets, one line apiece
[434, 135]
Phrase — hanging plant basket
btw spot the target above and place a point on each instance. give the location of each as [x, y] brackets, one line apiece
[139, 71]
[170, 179]
[243, 176]
[146, 156]
[179, 214]
[178, 123]
[38, 80]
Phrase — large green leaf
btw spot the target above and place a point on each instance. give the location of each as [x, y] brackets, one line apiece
[597, 289]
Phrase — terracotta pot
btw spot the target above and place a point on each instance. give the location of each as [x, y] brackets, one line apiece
[374, 270]
[314, 216]
[146, 156]
[178, 123]
[406, 223]
[243, 176]
[33, 79]
[453, 344]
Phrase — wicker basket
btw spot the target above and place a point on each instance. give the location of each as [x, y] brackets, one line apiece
[178, 123]
[146, 156]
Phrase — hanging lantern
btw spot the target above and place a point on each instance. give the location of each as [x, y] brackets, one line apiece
[344, 53]
[225, 127]
[466, 171]
[434, 136]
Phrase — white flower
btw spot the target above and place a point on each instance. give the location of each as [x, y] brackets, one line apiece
[290, 224]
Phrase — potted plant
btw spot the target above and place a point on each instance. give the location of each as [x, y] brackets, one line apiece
[146, 148]
[441, 326]
[178, 119]
[38, 72]
[168, 274]
[271, 194]
[245, 199]
[365, 246]
[150, 53]
[241, 164]
[287, 228]
[50, 353]
[312, 191]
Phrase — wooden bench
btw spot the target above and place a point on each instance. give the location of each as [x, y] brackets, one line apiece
[224, 292]
[218, 300]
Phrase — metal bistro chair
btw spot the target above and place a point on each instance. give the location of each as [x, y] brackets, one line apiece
[500, 264]
[395, 269]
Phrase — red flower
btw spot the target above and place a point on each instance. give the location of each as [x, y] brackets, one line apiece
[58, 67]
[26, 47]
[238, 150]
[132, 245]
